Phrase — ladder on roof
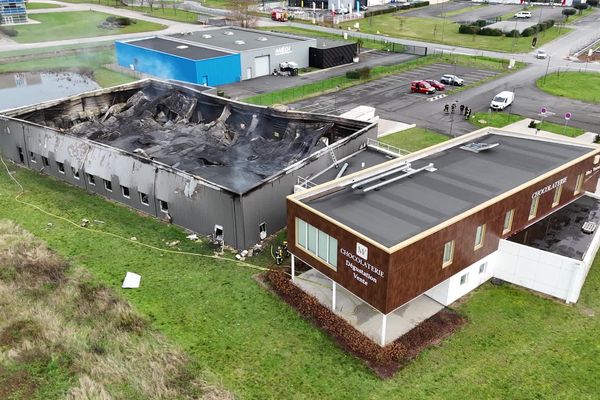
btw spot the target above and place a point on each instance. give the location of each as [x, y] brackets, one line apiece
[335, 161]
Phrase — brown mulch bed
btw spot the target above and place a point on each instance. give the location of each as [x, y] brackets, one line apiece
[384, 361]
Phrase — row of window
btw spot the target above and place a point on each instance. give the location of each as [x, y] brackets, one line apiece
[91, 180]
[317, 243]
[465, 277]
[448, 255]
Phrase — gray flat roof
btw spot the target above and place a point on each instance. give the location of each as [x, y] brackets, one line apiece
[329, 43]
[176, 48]
[225, 38]
[560, 232]
[463, 180]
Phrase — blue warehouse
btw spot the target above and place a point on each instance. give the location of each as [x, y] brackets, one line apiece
[214, 57]
[171, 59]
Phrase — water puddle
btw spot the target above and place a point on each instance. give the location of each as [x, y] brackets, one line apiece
[25, 88]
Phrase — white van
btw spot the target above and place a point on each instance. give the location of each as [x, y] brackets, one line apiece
[502, 100]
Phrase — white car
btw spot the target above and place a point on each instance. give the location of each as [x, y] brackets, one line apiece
[452, 80]
[523, 14]
[502, 100]
[541, 54]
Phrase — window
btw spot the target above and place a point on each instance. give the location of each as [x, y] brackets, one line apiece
[579, 183]
[464, 279]
[479, 236]
[301, 231]
[91, 180]
[108, 185]
[45, 161]
[75, 173]
[317, 243]
[508, 220]
[32, 157]
[144, 199]
[164, 207]
[448, 253]
[482, 267]
[557, 193]
[596, 159]
[534, 207]
[125, 191]
[61, 167]
[21, 155]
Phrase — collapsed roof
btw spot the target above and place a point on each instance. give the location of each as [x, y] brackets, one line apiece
[233, 145]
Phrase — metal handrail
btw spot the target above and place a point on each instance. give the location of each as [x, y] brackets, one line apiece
[386, 148]
[305, 183]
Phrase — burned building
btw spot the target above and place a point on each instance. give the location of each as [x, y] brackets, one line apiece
[203, 162]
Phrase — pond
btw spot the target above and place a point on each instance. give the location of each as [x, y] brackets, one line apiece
[25, 88]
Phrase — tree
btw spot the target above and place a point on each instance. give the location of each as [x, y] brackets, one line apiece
[568, 11]
[581, 7]
[150, 4]
[243, 12]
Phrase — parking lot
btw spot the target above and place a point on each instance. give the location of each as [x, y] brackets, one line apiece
[391, 93]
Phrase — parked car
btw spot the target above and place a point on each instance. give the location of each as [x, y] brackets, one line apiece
[363, 7]
[421, 87]
[502, 100]
[541, 54]
[523, 14]
[452, 80]
[439, 86]
[342, 10]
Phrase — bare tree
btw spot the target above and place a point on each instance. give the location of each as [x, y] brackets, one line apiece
[243, 12]
[150, 4]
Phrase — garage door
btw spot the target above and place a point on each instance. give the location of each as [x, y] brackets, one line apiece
[261, 66]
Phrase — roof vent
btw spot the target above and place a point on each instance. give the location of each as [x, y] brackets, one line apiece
[206, 36]
[240, 42]
[479, 147]
[261, 39]
[183, 46]
[589, 227]
[228, 33]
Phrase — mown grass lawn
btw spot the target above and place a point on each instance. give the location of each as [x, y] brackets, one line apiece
[430, 30]
[91, 63]
[501, 119]
[517, 344]
[494, 119]
[583, 86]
[74, 24]
[38, 6]
[414, 139]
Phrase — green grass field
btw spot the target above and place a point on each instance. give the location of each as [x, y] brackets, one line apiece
[52, 49]
[38, 6]
[72, 25]
[430, 29]
[574, 85]
[500, 119]
[517, 344]
[494, 119]
[92, 63]
[313, 89]
[414, 139]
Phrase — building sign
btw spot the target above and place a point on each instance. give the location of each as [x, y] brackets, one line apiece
[362, 251]
[362, 270]
[548, 188]
[279, 51]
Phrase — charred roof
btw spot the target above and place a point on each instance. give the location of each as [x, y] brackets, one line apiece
[230, 144]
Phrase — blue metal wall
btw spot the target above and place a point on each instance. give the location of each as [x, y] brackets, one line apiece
[212, 72]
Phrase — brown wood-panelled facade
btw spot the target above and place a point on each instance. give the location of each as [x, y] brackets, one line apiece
[373, 293]
[417, 267]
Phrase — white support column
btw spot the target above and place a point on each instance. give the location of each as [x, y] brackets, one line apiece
[383, 328]
[293, 262]
[333, 290]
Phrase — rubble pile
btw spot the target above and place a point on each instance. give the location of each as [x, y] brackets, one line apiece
[179, 130]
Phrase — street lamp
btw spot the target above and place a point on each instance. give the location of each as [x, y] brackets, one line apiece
[547, 67]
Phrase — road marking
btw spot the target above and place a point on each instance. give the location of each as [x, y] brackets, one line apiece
[438, 97]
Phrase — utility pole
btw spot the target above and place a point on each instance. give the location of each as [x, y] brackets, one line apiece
[547, 67]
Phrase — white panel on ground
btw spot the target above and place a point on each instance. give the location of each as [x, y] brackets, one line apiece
[361, 113]
[131, 281]
[537, 269]
[261, 66]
